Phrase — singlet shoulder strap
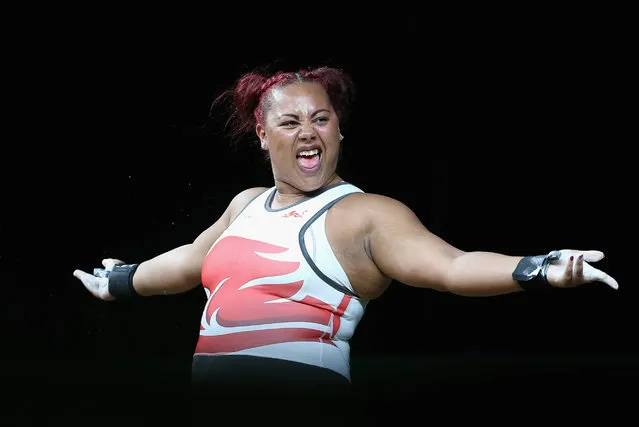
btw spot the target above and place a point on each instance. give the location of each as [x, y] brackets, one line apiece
[328, 199]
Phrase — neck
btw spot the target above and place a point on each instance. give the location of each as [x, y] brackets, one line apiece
[288, 194]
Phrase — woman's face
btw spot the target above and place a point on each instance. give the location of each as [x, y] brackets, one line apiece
[301, 133]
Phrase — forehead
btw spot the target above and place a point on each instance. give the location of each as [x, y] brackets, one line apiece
[302, 97]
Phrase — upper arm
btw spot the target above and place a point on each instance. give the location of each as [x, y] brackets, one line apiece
[179, 270]
[403, 248]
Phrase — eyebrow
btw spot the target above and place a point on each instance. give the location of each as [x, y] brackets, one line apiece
[296, 117]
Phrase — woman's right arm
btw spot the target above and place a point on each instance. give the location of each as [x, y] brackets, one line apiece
[175, 271]
[179, 269]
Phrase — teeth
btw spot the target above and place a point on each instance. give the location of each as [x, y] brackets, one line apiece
[308, 153]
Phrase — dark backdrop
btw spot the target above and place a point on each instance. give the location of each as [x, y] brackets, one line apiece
[501, 138]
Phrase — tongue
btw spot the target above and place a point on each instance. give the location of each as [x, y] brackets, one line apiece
[308, 162]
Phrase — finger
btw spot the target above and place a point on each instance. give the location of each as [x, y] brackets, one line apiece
[82, 275]
[578, 269]
[600, 276]
[100, 272]
[109, 263]
[88, 280]
[568, 269]
[593, 256]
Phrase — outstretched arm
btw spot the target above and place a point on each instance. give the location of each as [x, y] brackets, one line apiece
[177, 270]
[406, 251]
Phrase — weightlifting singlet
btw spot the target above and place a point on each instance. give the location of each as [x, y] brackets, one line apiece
[275, 288]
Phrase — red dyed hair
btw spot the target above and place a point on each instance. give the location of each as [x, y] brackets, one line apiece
[249, 98]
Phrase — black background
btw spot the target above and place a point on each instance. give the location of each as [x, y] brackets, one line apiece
[504, 135]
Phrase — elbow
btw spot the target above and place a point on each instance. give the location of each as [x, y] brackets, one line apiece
[455, 276]
[440, 274]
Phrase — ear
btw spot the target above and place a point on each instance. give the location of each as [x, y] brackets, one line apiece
[261, 134]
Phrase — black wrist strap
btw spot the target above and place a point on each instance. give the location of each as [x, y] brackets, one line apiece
[121, 281]
[531, 271]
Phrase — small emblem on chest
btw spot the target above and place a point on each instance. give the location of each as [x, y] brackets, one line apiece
[294, 214]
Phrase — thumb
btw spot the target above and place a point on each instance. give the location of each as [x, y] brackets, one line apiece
[593, 256]
[81, 274]
[109, 263]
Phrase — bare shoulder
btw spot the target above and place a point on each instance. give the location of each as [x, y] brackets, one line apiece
[361, 214]
[243, 198]
[371, 208]
[373, 200]
[204, 241]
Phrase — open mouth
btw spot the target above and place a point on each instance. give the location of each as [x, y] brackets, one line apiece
[309, 160]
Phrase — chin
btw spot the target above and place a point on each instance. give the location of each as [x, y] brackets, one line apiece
[311, 185]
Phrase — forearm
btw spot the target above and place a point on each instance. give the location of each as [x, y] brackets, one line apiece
[172, 272]
[482, 274]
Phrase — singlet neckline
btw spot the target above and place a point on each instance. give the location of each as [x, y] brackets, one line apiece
[271, 196]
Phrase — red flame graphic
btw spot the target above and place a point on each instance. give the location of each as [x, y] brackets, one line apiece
[235, 258]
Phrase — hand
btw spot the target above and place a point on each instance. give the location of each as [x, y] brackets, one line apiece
[572, 269]
[98, 286]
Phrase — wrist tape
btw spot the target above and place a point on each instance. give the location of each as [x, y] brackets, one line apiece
[531, 271]
[121, 281]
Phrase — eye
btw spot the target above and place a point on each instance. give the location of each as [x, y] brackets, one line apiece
[289, 123]
[322, 120]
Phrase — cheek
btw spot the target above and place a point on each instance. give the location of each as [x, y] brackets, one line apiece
[281, 141]
[329, 134]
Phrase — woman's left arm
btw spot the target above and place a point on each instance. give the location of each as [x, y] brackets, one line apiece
[406, 251]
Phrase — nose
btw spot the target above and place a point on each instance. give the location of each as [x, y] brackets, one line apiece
[307, 133]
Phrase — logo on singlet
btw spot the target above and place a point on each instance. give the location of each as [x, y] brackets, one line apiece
[294, 214]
